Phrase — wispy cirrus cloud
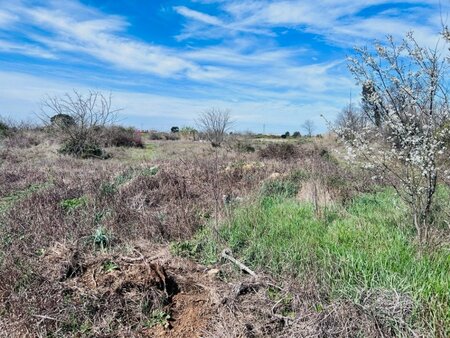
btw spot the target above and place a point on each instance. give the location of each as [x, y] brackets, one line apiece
[339, 22]
[268, 60]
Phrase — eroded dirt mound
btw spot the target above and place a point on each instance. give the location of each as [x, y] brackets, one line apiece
[146, 292]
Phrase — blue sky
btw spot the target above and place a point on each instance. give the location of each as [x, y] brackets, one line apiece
[272, 63]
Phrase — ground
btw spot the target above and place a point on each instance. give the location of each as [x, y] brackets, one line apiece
[131, 245]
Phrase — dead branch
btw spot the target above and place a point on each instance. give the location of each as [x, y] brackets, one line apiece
[226, 253]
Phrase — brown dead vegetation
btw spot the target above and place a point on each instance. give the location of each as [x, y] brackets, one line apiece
[56, 282]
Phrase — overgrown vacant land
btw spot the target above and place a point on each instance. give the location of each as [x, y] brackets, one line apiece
[133, 245]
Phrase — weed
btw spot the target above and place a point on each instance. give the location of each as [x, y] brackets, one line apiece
[152, 171]
[200, 248]
[72, 204]
[158, 317]
[110, 266]
[279, 188]
[101, 238]
[108, 189]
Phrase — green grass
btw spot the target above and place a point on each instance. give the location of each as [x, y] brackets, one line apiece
[8, 201]
[368, 246]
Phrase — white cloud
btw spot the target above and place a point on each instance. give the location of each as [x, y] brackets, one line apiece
[198, 16]
[26, 49]
[337, 21]
[245, 67]
[7, 18]
[23, 99]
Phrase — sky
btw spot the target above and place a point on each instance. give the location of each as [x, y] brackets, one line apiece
[273, 64]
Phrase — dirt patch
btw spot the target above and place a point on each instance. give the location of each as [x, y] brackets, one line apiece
[145, 292]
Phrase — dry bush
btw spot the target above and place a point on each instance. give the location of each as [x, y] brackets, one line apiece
[161, 136]
[80, 118]
[279, 151]
[117, 136]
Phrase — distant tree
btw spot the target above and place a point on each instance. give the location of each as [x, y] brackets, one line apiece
[350, 118]
[215, 123]
[296, 134]
[4, 128]
[62, 121]
[309, 127]
[174, 130]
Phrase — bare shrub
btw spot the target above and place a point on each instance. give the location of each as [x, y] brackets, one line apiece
[278, 151]
[350, 119]
[80, 118]
[117, 136]
[214, 124]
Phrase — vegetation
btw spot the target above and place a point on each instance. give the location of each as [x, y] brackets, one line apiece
[406, 107]
[241, 236]
[368, 247]
[80, 119]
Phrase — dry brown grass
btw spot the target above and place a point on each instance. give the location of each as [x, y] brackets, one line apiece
[54, 277]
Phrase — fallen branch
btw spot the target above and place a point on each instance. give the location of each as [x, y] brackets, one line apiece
[133, 259]
[226, 253]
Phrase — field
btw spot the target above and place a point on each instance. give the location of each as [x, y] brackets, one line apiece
[133, 245]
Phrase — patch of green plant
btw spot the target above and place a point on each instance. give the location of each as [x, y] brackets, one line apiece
[124, 177]
[440, 216]
[75, 325]
[201, 248]
[85, 327]
[110, 266]
[8, 201]
[152, 171]
[158, 317]
[367, 246]
[279, 188]
[99, 216]
[110, 188]
[101, 238]
[283, 301]
[26, 278]
[72, 204]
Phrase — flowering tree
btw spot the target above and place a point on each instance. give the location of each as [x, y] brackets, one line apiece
[405, 100]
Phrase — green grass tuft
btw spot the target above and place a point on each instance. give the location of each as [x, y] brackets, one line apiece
[368, 246]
